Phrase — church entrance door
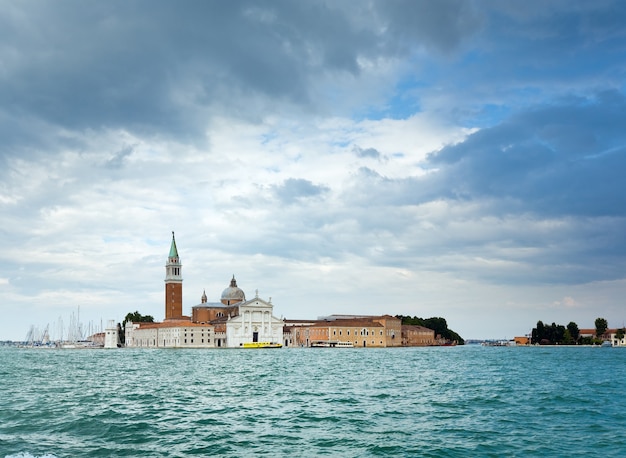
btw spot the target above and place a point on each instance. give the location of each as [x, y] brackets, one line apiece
[255, 336]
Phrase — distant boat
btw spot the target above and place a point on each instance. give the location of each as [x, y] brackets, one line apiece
[81, 344]
[331, 344]
[499, 343]
[261, 345]
[449, 344]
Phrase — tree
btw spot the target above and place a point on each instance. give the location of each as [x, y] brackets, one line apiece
[567, 338]
[620, 333]
[437, 324]
[541, 330]
[587, 340]
[133, 318]
[138, 318]
[538, 333]
[553, 334]
[414, 321]
[121, 334]
[558, 333]
[601, 326]
[573, 331]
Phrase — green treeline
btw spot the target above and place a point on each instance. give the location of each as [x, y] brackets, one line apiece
[138, 318]
[437, 324]
[557, 334]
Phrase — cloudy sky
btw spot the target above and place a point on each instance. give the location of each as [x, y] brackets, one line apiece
[456, 158]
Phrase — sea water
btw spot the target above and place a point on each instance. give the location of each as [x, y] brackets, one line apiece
[425, 402]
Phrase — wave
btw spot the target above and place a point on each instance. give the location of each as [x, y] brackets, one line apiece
[28, 455]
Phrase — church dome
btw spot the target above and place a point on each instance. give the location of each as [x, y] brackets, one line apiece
[233, 294]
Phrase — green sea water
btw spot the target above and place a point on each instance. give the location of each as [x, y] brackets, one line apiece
[424, 402]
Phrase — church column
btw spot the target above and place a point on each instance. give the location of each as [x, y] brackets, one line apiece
[262, 327]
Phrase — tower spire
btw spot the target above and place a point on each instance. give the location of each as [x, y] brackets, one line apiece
[173, 249]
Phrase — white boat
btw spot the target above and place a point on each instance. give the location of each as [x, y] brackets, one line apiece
[81, 344]
[499, 343]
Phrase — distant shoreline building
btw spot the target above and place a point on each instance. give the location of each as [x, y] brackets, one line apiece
[610, 335]
[359, 330]
[235, 321]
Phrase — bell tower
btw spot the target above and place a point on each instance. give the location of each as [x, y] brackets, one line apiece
[173, 284]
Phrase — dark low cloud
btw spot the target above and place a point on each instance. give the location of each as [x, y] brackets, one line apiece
[118, 159]
[566, 158]
[443, 25]
[538, 198]
[160, 68]
[294, 189]
[367, 152]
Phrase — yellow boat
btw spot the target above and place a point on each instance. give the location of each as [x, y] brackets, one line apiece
[261, 345]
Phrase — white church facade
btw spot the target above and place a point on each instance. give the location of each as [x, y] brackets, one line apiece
[230, 323]
[254, 323]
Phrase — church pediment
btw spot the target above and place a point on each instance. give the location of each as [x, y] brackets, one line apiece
[257, 302]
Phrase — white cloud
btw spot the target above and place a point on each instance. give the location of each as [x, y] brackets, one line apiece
[567, 302]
